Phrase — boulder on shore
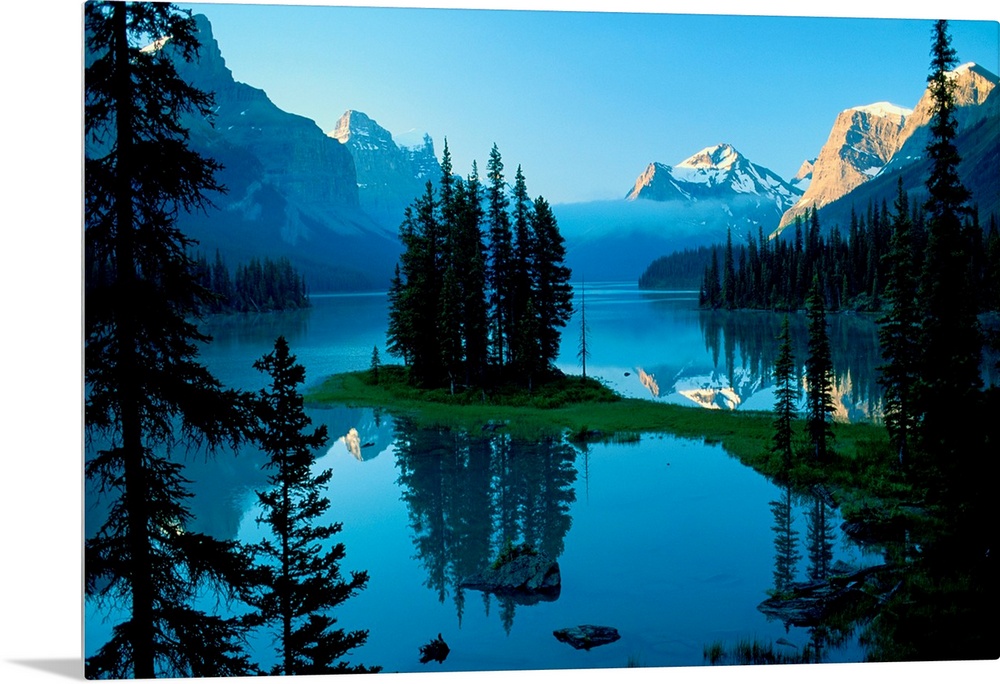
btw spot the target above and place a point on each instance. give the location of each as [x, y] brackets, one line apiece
[587, 637]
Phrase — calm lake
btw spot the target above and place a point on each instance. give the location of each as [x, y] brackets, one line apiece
[669, 541]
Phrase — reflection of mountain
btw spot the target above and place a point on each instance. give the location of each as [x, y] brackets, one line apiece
[468, 495]
[744, 346]
[362, 432]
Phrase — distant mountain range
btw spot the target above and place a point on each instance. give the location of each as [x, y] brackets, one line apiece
[332, 201]
[869, 147]
[690, 204]
[722, 174]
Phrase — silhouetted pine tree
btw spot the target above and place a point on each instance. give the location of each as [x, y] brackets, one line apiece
[786, 396]
[551, 291]
[520, 281]
[471, 253]
[899, 332]
[819, 377]
[145, 388]
[300, 579]
[729, 274]
[951, 339]
[501, 247]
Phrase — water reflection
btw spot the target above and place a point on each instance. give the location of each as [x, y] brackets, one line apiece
[744, 346]
[468, 495]
[814, 602]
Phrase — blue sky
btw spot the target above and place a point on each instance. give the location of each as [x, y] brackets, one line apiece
[584, 100]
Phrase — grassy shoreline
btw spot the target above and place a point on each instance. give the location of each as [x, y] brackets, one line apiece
[586, 411]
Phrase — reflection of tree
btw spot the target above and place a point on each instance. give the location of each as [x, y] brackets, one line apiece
[786, 557]
[469, 494]
[746, 339]
[814, 604]
[820, 534]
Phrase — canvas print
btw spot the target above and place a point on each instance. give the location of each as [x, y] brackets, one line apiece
[461, 340]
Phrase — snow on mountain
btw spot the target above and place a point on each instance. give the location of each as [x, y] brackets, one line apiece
[885, 109]
[718, 172]
[862, 141]
[390, 174]
[874, 140]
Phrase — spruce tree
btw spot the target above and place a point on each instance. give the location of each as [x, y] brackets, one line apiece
[146, 390]
[449, 308]
[786, 396]
[501, 249]
[521, 281]
[300, 579]
[819, 376]
[400, 330]
[899, 331]
[471, 253]
[552, 292]
[951, 339]
[729, 274]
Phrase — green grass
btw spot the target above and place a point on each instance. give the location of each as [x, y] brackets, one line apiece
[587, 411]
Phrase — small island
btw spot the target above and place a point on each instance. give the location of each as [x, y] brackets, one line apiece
[584, 410]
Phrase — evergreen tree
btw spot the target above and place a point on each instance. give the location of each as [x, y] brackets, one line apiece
[729, 274]
[899, 331]
[714, 295]
[951, 339]
[582, 352]
[145, 388]
[521, 279]
[376, 363]
[786, 395]
[819, 377]
[502, 255]
[552, 293]
[450, 315]
[399, 332]
[300, 580]
[222, 284]
[416, 323]
[471, 253]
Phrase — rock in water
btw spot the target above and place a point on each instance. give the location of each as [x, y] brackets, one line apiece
[587, 636]
[526, 575]
[435, 649]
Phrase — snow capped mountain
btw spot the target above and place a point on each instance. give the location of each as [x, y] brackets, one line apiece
[716, 172]
[861, 142]
[876, 140]
[744, 194]
[973, 87]
[691, 204]
[390, 174]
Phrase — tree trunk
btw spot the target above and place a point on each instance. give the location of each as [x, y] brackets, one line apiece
[136, 497]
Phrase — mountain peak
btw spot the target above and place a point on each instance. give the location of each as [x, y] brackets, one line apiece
[884, 109]
[721, 156]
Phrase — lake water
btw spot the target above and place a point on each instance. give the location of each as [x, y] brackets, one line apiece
[669, 541]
